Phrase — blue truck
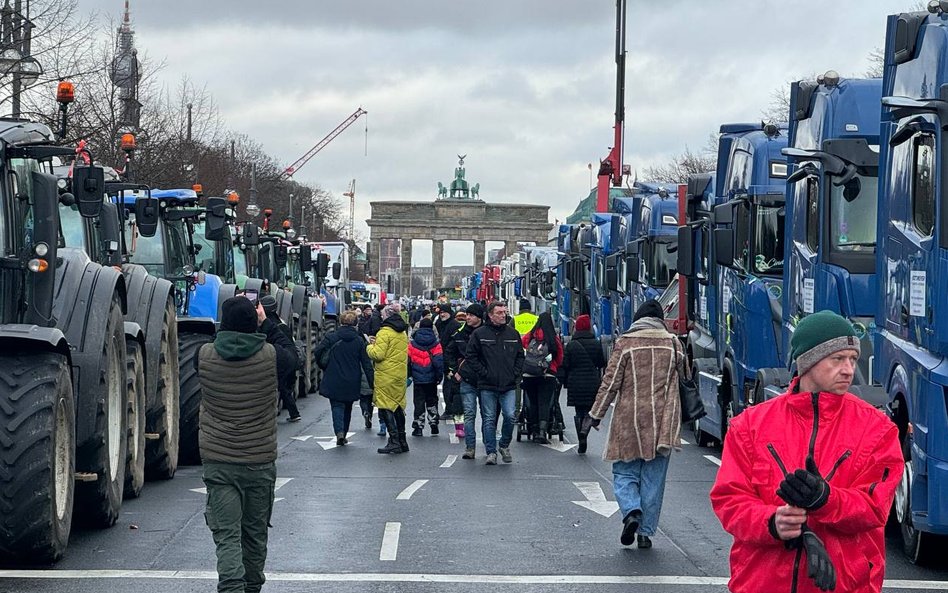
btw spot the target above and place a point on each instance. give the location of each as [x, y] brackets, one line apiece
[744, 233]
[911, 337]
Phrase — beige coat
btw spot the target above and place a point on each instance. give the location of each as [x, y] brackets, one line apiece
[642, 379]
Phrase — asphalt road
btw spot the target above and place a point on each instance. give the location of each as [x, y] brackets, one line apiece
[349, 519]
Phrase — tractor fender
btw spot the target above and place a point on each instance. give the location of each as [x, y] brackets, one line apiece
[133, 331]
[298, 299]
[149, 299]
[19, 336]
[315, 310]
[285, 309]
[226, 291]
[197, 325]
[255, 284]
[82, 307]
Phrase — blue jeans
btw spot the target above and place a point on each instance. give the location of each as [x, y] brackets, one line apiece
[490, 401]
[469, 400]
[341, 415]
[640, 485]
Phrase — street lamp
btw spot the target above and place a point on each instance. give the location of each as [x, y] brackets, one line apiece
[16, 36]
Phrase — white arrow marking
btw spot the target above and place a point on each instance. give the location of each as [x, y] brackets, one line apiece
[453, 438]
[414, 487]
[280, 482]
[390, 541]
[595, 499]
[199, 490]
[713, 460]
[302, 438]
[328, 443]
[558, 446]
[449, 461]
[684, 442]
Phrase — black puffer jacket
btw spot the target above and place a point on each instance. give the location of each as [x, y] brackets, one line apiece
[581, 369]
[348, 361]
[279, 335]
[455, 351]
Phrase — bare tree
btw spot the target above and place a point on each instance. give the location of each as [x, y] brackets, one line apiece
[685, 164]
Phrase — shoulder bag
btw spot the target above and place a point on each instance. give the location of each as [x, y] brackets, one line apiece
[691, 406]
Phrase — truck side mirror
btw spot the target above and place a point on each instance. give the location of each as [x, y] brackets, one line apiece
[215, 223]
[88, 186]
[724, 247]
[322, 265]
[251, 234]
[306, 257]
[635, 268]
[347, 297]
[686, 254]
[724, 214]
[146, 215]
[336, 270]
[612, 278]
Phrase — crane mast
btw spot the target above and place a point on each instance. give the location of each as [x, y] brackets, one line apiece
[351, 194]
[289, 171]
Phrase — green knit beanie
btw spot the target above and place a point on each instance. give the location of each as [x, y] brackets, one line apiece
[817, 336]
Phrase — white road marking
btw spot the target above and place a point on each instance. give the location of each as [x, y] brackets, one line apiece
[280, 482]
[684, 442]
[713, 460]
[390, 541]
[328, 443]
[407, 492]
[595, 499]
[381, 577]
[558, 446]
[302, 438]
[449, 461]
[453, 438]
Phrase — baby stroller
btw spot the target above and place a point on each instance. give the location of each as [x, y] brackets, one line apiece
[554, 426]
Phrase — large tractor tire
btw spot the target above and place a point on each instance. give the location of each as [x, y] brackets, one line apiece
[329, 326]
[162, 423]
[314, 339]
[305, 338]
[189, 343]
[103, 459]
[135, 464]
[37, 457]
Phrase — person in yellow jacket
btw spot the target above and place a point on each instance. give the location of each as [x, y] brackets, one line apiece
[524, 321]
[389, 350]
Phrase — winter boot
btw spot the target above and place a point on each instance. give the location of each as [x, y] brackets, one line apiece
[416, 427]
[393, 446]
[368, 420]
[459, 430]
[435, 431]
[581, 436]
[400, 423]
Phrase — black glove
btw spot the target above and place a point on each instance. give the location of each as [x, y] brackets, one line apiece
[588, 424]
[819, 567]
[805, 489]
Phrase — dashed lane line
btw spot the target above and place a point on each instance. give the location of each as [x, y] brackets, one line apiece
[209, 575]
[390, 541]
[684, 442]
[449, 461]
[713, 460]
[414, 487]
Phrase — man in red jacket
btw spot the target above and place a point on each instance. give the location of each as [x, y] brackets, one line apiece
[807, 478]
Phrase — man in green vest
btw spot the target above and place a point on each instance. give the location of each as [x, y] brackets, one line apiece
[524, 320]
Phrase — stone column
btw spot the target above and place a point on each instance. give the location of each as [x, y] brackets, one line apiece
[374, 259]
[437, 263]
[480, 255]
[405, 280]
[510, 247]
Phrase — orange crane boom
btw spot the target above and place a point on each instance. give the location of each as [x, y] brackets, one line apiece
[289, 171]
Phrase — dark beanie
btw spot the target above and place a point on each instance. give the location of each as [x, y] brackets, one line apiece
[269, 303]
[426, 322]
[444, 308]
[238, 314]
[524, 305]
[475, 309]
[582, 323]
[650, 308]
[819, 335]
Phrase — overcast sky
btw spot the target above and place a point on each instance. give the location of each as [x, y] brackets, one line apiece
[524, 88]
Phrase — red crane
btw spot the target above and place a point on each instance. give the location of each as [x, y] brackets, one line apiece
[289, 171]
[611, 169]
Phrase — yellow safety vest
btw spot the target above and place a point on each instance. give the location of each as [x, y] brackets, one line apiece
[524, 322]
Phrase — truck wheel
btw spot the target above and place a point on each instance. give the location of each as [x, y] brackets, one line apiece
[314, 338]
[135, 465]
[188, 345]
[702, 439]
[101, 498]
[37, 445]
[306, 337]
[919, 547]
[161, 452]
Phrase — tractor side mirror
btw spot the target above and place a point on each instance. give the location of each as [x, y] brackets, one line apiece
[215, 223]
[280, 255]
[336, 270]
[322, 265]
[306, 258]
[146, 215]
[251, 234]
[88, 186]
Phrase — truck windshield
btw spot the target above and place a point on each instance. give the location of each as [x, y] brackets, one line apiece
[853, 215]
[768, 240]
[660, 261]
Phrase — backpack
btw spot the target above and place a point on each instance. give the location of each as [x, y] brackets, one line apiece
[323, 361]
[535, 363]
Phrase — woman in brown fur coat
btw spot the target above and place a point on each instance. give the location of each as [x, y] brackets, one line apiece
[642, 379]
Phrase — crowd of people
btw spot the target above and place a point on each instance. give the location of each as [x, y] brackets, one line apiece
[811, 472]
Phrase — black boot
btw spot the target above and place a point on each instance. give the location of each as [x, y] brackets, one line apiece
[417, 429]
[541, 437]
[582, 436]
[400, 423]
[394, 445]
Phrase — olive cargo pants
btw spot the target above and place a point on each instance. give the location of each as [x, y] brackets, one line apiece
[239, 504]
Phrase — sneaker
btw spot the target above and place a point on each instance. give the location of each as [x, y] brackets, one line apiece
[468, 454]
[435, 431]
[417, 431]
[630, 524]
[296, 418]
[368, 422]
[644, 542]
[505, 454]
[341, 439]
[491, 459]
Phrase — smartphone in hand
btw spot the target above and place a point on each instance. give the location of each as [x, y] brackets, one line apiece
[251, 295]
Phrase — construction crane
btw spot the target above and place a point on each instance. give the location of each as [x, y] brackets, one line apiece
[351, 194]
[289, 171]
